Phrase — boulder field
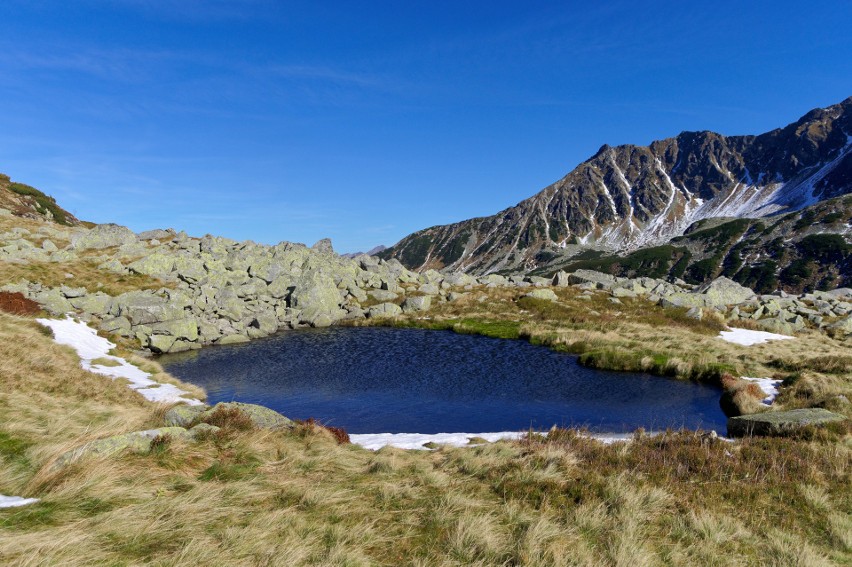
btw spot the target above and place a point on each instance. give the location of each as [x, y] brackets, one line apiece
[220, 291]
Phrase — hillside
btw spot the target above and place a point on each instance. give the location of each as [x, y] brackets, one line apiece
[628, 197]
[22, 200]
[801, 251]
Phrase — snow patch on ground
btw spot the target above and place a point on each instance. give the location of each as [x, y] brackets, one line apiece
[747, 337]
[90, 346]
[12, 501]
[375, 441]
[769, 387]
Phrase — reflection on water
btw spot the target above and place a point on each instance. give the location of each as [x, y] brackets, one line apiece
[372, 380]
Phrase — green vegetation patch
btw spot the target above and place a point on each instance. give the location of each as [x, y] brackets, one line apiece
[43, 202]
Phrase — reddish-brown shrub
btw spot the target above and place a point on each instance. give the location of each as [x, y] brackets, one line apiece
[17, 304]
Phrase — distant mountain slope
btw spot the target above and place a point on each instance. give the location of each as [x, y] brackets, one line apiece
[25, 201]
[627, 197]
[797, 252]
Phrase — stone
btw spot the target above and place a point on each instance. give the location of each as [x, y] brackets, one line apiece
[186, 328]
[161, 343]
[418, 303]
[103, 236]
[156, 265]
[99, 304]
[777, 325]
[203, 430]
[602, 280]
[118, 325]
[724, 291]
[163, 235]
[72, 292]
[144, 308]
[137, 442]
[232, 340]
[183, 415]
[324, 246]
[843, 326]
[48, 246]
[260, 416]
[780, 422]
[683, 299]
[623, 292]
[695, 313]
[384, 310]
[543, 293]
[382, 295]
[113, 266]
[429, 289]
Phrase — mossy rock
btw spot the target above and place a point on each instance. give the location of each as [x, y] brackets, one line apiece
[183, 415]
[137, 442]
[780, 422]
[260, 416]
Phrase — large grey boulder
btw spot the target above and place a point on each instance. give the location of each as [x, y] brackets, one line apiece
[384, 310]
[103, 236]
[261, 417]
[780, 422]
[145, 308]
[723, 291]
[317, 297]
[600, 279]
[156, 265]
[183, 415]
[382, 295]
[418, 303]
[543, 293]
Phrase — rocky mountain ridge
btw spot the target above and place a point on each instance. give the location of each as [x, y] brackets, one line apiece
[627, 197]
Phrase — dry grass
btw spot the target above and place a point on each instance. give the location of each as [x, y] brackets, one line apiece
[85, 274]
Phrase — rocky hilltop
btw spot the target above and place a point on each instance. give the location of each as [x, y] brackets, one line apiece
[628, 197]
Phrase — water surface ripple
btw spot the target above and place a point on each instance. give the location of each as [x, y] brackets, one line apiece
[385, 380]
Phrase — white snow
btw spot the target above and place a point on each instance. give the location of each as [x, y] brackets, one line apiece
[90, 346]
[748, 337]
[375, 441]
[12, 501]
[769, 387]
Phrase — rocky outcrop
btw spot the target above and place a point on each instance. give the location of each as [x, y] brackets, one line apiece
[219, 291]
[780, 422]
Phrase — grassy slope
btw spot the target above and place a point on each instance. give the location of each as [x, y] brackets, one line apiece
[257, 498]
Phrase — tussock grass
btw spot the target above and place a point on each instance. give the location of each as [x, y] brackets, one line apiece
[86, 274]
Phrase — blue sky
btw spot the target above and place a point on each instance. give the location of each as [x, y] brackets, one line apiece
[364, 122]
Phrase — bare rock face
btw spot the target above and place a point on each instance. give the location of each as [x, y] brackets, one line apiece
[103, 236]
[627, 197]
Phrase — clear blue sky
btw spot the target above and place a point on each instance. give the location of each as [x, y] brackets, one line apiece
[365, 121]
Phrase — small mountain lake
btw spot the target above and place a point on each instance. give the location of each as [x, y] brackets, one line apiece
[386, 380]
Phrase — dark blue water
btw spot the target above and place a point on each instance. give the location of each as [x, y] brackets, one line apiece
[382, 380]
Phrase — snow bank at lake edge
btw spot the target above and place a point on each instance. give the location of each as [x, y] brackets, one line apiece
[375, 441]
[90, 347]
